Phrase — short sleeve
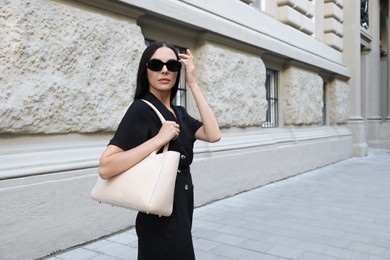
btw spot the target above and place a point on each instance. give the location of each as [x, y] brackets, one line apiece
[134, 128]
[192, 123]
[195, 124]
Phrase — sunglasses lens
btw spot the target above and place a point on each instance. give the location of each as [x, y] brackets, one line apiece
[157, 65]
[173, 65]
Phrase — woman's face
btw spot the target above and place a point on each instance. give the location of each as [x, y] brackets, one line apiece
[164, 79]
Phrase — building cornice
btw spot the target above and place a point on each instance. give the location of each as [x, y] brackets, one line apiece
[240, 22]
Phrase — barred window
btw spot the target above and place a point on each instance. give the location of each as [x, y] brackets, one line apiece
[271, 86]
[181, 95]
[324, 105]
[364, 13]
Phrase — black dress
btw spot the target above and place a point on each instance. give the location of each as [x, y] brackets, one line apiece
[163, 237]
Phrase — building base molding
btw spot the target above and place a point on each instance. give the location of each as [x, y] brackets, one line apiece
[373, 125]
[384, 135]
[44, 213]
[39, 208]
[358, 129]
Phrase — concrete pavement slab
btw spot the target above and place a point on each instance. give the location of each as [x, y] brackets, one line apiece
[338, 212]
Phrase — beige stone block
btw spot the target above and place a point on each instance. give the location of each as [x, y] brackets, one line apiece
[302, 97]
[305, 7]
[338, 102]
[295, 19]
[333, 41]
[233, 83]
[333, 10]
[248, 1]
[339, 3]
[331, 25]
[64, 69]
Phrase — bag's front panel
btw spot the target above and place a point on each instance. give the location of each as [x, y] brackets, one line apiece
[162, 197]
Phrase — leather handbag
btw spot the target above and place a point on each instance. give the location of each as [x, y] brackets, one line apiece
[147, 186]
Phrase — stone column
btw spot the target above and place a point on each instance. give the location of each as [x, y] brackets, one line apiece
[388, 63]
[351, 58]
[372, 84]
[385, 128]
[373, 71]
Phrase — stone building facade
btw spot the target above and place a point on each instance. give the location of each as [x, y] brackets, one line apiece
[295, 85]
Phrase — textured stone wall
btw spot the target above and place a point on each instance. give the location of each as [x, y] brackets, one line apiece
[233, 83]
[338, 102]
[64, 69]
[302, 97]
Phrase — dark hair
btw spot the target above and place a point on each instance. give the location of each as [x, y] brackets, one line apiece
[142, 77]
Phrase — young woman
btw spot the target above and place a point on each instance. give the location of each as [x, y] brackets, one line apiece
[140, 132]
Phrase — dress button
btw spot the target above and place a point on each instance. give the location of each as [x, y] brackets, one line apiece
[186, 187]
[183, 156]
[179, 171]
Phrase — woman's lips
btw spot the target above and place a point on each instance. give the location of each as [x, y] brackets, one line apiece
[164, 80]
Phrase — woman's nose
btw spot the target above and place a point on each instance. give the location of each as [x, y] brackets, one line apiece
[164, 69]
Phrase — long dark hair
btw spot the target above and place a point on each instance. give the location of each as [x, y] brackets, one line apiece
[142, 78]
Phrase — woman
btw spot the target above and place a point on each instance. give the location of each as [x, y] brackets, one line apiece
[140, 132]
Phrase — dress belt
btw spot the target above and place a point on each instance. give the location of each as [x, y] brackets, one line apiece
[183, 170]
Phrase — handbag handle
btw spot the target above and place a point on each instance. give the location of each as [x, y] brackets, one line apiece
[160, 116]
[162, 119]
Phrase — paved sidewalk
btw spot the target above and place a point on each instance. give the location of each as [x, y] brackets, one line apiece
[337, 212]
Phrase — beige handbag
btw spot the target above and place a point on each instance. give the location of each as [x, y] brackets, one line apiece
[147, 187]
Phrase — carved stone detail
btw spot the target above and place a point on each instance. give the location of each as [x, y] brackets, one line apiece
[234, 85]
[302, 97]
[63, 69]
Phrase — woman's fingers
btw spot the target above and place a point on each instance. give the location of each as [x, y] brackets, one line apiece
[171, 128]
[186, 57]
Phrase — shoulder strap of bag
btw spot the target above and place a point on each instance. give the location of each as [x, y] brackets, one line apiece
[162, 119]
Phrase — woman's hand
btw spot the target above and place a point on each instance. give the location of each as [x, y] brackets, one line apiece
[169, 131]
[188, 61]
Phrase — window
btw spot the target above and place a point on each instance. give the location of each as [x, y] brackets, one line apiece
[324, 106]
[181, 95]
[271, 86]
[364, 13]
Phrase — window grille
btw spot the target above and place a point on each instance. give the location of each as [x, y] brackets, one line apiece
[364, 13]
[271, 86]
[181, 95]
[324, 105]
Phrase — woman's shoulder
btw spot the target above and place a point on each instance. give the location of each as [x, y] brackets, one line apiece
[182, 110]
[136, 109]
[138, 103]
[137, 106]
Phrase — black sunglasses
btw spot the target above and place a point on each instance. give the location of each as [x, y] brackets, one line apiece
[157, 65]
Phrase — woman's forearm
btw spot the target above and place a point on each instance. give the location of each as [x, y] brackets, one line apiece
[115, 161]
[211, 129]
